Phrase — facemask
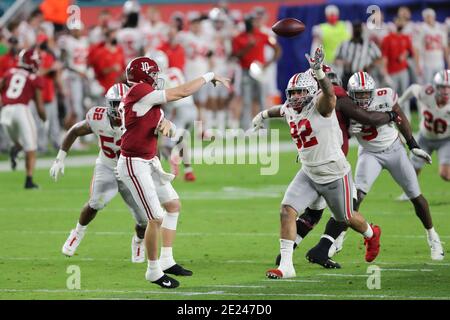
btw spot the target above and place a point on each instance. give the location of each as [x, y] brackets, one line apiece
[332, 19]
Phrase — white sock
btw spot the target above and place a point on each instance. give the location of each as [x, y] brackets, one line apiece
[369, 232]
[137, 239]
[154, 271]
[170, 220]
[432, 234]
[298, 239]
[80, 229]
[286, 250]
[166, 258]
[188, 169]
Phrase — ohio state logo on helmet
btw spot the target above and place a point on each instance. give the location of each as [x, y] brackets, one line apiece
[142, 69]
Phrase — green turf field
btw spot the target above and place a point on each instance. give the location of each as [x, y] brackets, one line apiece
[228, 235]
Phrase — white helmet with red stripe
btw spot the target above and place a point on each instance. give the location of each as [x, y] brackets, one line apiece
[304, 84]
[361, 88]
[114, 96]
[441, 83]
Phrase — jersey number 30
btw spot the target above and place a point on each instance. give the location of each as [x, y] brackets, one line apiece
[305, 130]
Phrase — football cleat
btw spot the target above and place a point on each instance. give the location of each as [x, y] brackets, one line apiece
[437, 252]
[13, 152]
[280, 274]
[315, 255]
[178, 270]
[373, 244]
[31, 185]
[165, 282]
[189, 176]
[402, 197]
[137, 250]
[72, 243]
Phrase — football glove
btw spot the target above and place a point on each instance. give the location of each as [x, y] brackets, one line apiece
[57, 169]
[421, 154]
[257, 122]
[316, 62]
[355, 127]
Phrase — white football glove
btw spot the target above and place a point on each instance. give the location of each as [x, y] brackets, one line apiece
[57, 169]
[316, 62]
[258, 122]
[355, 127]
[421, 154]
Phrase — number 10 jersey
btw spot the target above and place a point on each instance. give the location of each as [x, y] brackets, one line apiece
[108, 136]
[319, 140]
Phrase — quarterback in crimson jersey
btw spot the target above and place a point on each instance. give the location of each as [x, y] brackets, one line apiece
[18, 87]
[142, 120]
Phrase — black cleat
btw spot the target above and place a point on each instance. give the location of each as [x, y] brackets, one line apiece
[315, 256]
[278, 258]
[31, 185]
[13, 152]
[167, 282]
[178, 270]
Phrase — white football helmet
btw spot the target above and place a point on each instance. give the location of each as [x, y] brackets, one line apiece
[361, 88]
[114, 96]
[160, 58]
[441, 83]
[306, 84]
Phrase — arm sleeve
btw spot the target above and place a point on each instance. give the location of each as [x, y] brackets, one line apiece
[146, 98]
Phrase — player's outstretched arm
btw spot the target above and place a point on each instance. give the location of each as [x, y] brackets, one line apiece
[327, 99]
[412, 91]
[372, 118]
[79, 129]
[405, 129]
[273, 112]
[189, 88]
[40, 104]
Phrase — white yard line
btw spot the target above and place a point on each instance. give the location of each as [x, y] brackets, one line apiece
[222, 293]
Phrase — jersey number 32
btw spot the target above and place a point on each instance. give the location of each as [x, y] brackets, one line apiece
[301, 134]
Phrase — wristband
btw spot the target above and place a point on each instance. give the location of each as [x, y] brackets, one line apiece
[319, 74]
[208, 77]
[265, 114]
[61, 155]
[412, 144]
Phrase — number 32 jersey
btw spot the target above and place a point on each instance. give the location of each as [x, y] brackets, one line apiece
[376, 139]
[108, 136]
[319, 141]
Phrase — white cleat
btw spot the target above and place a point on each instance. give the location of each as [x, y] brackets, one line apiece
[338, 244]
[137, 250]
[72, 243]
[402, 197]
[437, 251]
[281, 273]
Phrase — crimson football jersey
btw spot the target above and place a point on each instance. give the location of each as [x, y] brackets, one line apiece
[20, 86]
[141, 113]
[344, 123]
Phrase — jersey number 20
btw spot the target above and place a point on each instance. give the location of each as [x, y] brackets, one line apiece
[301, 133]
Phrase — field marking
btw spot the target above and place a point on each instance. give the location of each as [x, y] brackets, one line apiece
[407, 270]
[223, 293]
[292, 280]
[233, 286]
[341, 275]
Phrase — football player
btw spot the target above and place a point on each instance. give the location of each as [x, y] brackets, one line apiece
[332, 239]
[381, 148]
[105, 123]
[182, 113]
[433, 102]
[325, 174]
[142, 120]
[17, 88]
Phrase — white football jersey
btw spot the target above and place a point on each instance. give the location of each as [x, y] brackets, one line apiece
[173, 77]
[375, 139]
[108, 136]
[319, 140]
[433, 41]
[196, 48]
[77, 51]
[434, 120]
[131, 41]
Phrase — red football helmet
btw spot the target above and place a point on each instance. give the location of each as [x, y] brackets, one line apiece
[29, 59]
[143, 69]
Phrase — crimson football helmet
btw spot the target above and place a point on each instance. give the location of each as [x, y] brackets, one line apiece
[143, 69]
[305, 84]
[29, 59]
[441, 83]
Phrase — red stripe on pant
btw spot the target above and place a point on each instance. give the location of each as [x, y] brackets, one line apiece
[138, 188]
[348, 212]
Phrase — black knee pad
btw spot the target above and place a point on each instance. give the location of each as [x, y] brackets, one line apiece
[311, 217]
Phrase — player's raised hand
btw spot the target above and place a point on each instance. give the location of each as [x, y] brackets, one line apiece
[167, 128]
[421, 154]
[316, 62]
[57, 169]
[225, 81]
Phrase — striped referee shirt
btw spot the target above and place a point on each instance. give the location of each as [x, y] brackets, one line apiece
[357, 55]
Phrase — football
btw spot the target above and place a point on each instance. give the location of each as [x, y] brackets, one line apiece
[288, 27]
